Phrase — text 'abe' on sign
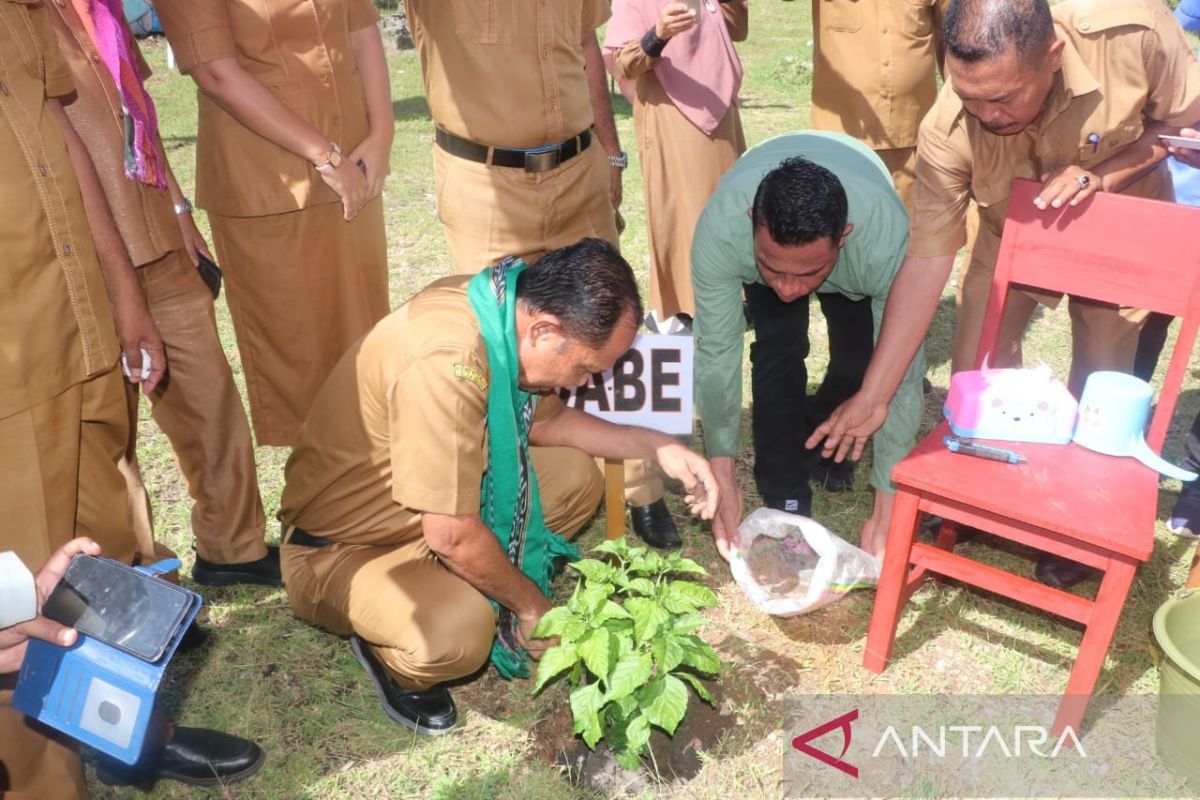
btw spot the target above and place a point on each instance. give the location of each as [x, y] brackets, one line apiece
[651, 386]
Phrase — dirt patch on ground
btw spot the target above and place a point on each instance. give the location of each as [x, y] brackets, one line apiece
[747, 688]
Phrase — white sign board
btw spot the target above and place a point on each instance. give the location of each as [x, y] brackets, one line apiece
[650, 386]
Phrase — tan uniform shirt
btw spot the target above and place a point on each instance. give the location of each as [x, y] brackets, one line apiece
[507, 73]
[1125, 62]
[874, 68]
[56, 327]
[144, 214]
[398, 427]
[300, 50]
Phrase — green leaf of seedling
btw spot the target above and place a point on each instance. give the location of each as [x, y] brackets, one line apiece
[554, 661]
[668, 653]
[593, 570]
[647, 617]
[643, 587]
[628, 759]
[698, 687]
[685, 566]
[664, 701]
[611, 610]
[682, 597]
[625, 707]
[573, 630]
[648, 563]
[552, 622]
[630, 674]
[585, 708]
[624, 641]
[574, 604]
[614, 729]
[637, 734]
[595, 652]
[593, 597]
[700, 657]
[686, 623]
[613, 547]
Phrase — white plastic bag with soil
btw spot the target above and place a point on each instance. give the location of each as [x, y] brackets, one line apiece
[788, 564]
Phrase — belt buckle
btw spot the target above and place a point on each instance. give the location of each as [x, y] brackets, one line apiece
[542, 161]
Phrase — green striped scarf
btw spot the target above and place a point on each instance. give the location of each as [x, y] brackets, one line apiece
[509, 502]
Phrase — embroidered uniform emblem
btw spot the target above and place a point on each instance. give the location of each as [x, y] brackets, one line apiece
[468, 373]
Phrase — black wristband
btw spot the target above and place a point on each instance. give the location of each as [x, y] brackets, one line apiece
[651, 44]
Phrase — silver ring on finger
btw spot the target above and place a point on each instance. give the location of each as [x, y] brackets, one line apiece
[1084, 181]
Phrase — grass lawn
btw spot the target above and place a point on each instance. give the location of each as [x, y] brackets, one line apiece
[299, 691]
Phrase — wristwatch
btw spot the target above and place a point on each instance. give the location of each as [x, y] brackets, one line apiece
[620, 160]
[332, 159]
[184, 206]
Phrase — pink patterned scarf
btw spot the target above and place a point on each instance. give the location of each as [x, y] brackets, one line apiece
[105, 24]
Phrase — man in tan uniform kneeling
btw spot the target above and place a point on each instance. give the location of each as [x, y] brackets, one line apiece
[387, 538]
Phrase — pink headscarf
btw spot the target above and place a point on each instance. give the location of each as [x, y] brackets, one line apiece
[700, 71]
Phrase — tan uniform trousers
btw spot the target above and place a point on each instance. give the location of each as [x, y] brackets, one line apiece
[490, 213]
[427, 625]
[58, 480]
[302, 287]
[1103, 337]
[493, 212]
[35, 762]
[902, 163]
[200, 411]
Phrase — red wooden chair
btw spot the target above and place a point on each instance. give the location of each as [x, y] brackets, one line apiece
[1095, 509]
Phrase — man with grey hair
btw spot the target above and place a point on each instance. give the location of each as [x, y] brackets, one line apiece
[1074, 96]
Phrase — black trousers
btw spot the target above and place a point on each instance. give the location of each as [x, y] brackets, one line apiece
[783, 414]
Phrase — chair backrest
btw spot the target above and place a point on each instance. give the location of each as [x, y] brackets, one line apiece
[1117, 249]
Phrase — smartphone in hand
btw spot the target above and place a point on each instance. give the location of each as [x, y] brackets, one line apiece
[210, 273]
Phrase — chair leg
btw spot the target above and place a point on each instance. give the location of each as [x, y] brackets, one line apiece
[947, 537]
[1106, 612]
[886, 611]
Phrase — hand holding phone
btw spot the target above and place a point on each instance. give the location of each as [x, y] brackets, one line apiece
[123, 608]
[210, 273]
[1185, 142]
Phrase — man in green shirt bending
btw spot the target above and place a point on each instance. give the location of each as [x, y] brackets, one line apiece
[802, 213]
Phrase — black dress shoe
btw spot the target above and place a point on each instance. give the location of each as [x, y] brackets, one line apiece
[195, 756]
[1061, 573]
[654, 525]
[833, 476]
[264, 571]
[195, 638]
[430, 712]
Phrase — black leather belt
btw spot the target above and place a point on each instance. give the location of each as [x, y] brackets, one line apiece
[538, 159]
[302, 538]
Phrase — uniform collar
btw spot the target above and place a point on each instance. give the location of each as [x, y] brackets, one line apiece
[1075, 79]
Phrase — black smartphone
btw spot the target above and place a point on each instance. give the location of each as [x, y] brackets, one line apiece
[210, 273]
[126, 609]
